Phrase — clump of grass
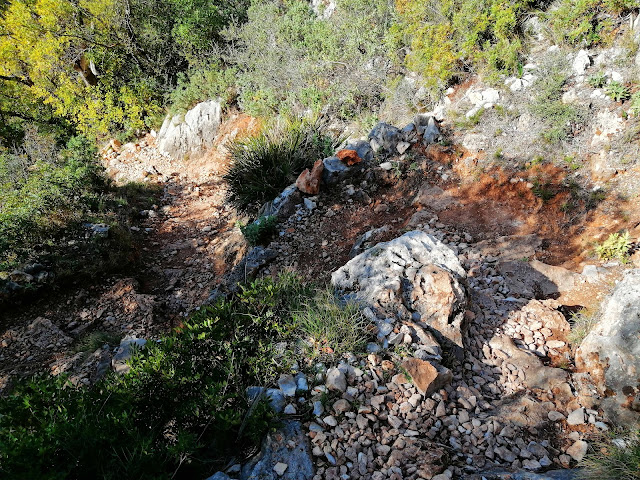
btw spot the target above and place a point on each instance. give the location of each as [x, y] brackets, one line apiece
[263, 166]
[260, 231]
[582, 323]
[95, 340]
[615, 459]
[560, 118]
[330, 328]
[617, 91]
[616, 246]
[471, 121]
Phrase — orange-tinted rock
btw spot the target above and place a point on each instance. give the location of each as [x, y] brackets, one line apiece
[426, 377]
[309, 181]
[115, 144]
[350, 157]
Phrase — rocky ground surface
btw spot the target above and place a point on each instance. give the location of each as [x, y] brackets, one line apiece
[188, 240]
[469, 279]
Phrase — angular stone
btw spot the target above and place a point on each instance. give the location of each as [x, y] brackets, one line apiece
[280, 468]
[425, 376]
[288, 385]
[349, 157]
[412, 273]
[578, 450]
[576, 417]
[309, 181]
[336, 380]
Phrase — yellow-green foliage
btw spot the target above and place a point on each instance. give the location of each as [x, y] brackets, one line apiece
[586, 21]
[616, 246]
[42, 45]
[449, 37]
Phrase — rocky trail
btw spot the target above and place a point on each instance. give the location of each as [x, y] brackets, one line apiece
[186, 242]
[471, 278]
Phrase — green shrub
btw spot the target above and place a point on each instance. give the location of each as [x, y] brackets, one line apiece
[616, 246]
[45, 198]
[560, 118]
[200, 84]
[617, 91]
[260, 231]
[290, 61]
[598, 80]
[180, 412]
[263, 166]
[609, 460]
[586, 22]
[447, 38]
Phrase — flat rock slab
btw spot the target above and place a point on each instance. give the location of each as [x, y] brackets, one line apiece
[288, 446]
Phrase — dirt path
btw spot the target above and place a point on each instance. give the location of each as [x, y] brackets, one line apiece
[187, 242]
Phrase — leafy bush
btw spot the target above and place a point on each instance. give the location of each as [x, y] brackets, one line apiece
[260, 231]
[200, 84]
[613, 459]
[586, 22]
[263, 166]
[47, 194]
[560, 118]
[598, 80]
[616, 246]
[447, 39]
[179, 412]
[290, 61]
[617, 91]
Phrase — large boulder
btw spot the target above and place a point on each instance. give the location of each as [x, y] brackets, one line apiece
[611, 352]
[413, 276]
[192, 133]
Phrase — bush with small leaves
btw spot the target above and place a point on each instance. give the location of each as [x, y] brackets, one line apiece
[260, 231]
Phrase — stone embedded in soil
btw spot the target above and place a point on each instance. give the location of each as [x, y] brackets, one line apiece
[280, 468]
[576, 417]
[425, 376]
[288, 385]
[336, 380]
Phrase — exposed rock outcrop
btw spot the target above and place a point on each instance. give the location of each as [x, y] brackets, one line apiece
[288, 446]
[192, 133]
[412, 276]
[611, 352]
